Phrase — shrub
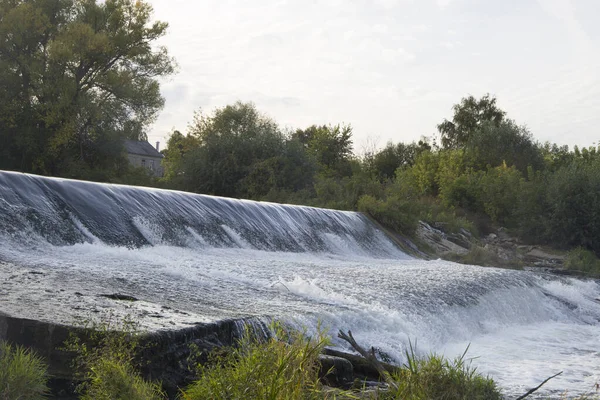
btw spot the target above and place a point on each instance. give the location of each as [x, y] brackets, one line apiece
[584, 261]
[112, 379]
[270, 369]
[397, 214]
[22, 374]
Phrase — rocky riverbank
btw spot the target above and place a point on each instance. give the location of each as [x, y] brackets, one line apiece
[497, 249]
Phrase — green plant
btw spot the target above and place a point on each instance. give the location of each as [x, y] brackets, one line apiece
[584, 261]
[105, 357]
[22, 374]
[282, 367]
[435, 377]
[113, 379]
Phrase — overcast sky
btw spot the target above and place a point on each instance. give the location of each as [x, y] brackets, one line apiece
[390, 68]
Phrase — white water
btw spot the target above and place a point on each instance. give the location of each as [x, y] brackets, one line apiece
[521, 327]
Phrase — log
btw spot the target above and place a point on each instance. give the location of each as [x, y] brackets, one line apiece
[370, 357]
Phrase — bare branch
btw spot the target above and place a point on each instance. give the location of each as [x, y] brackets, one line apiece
[369, 356]
[539, 386]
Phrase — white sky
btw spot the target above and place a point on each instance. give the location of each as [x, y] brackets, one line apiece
[390, 68]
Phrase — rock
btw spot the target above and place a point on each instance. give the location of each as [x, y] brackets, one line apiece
[491, 237]
[118, 296]
[539, 257]
[336, 371]
[466, 233]
[438, 241]
[362, 368]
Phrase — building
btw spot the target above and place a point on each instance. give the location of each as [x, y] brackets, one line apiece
[143, 154]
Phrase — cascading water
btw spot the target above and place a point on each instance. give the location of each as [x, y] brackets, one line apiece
[221, 258]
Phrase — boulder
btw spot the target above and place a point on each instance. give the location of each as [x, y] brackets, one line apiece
[335, 371]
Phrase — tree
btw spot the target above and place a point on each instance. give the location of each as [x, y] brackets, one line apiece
[77, 77]
[229, 144]
[330, 145]
[393, 156]
[469, 115]
[494, 144]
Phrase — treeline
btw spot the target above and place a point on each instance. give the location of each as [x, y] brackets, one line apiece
[486, 171]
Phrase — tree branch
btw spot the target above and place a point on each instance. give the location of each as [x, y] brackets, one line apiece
[369, 356]
[536, 388]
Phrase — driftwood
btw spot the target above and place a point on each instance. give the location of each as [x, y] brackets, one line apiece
[537, 387]
[370, 357]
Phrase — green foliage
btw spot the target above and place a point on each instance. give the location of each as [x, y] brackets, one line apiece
[573, 197]
[583, 261]
[284, 367]
[494, 144]
[76, 78]
[384, 163]
[397, 214]
[434, 377]
[469, 115]
[111, 379]
[238, 152]
[106, 359]
[330, 145]
[22, 374]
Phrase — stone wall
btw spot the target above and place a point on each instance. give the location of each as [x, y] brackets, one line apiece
[152, 163]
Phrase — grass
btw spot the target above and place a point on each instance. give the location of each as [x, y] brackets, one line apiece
[583, 261]
[106, 363]
[22, 374]
[283, 367]
[112, 379]
[434, 377]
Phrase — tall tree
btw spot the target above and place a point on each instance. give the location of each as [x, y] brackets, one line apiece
[468, 116]
[330, 145]
[76, 77]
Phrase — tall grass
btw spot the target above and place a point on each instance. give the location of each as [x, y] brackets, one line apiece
[434, 377]
[22, 374]
[106, 363]
[271, 369]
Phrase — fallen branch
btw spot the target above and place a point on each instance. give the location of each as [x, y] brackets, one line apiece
[370, 357]
[539, 386]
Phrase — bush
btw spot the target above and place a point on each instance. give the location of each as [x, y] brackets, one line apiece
[434, 377]
[111, 379]
[22, 374]
[584, 261]
[270, 369]
[396, 214]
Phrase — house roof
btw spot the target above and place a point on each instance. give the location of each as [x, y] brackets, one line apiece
[141, 148]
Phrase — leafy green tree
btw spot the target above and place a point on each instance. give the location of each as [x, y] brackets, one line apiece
[224, 148]
[330, 145]
[393, 156]
[77, 77]
[468, 116]
[495, 144]
[573, 197]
